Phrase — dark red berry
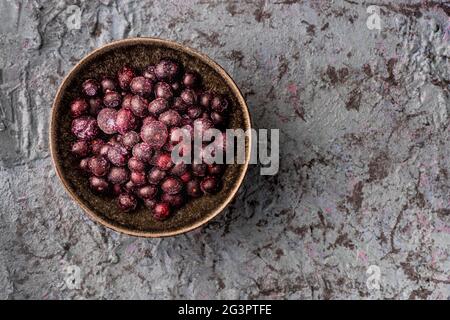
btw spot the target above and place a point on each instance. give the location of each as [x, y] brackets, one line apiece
[80, 148]
[117, 189]
[125, 121]
[139, 106]
[217, 118]
[156, 175]
[155, 134]
[219, 104]
[99, 166]
[141, 86]
[147, 120]
[199, 169]
[129, 187]
[143, 151]
[124, 76]
[150, 203]
[96, 146]
[178, 169]
[186, 176]
[194, 112]
[118, 155]
[112, 99]
[126, 101]
[147, 192]
[130, 139]
[190, 79]
[95, 105]
[84, 165]
[108, 84]
[78, 107]
[158, 106]
[171, 185]
[206, 98]
[209, 185]
[97, 184]
[90, 87]
[173, 200]
[85, 127]
[118, 175]
[161, 211]
[215, 169]
[179, 105]
[163, 161]
[163, 90]
[127, 202]
[167, 69]
[138, 178]
[134, 164]
[189, 96]
[193, 188]
[107, 120]
[170, 118]
[149, 73]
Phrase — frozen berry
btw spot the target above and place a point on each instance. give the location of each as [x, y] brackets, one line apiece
[84, 165]
[118, 175]
[127, 202]
[99, 166]
[125, 121]
[161, 211]
[124, 76]
[179, 105]
[194, 112]
[130, 139]
[149, 73]
[156, 175]
[170, 118]
[163, 161]
[215, 169]
[173, 200]
[217, 118]
[112, 99]
[103, 151]
[210, 185]
[163, 90]
[158, 106]
[143, 151]
[80, 148]
[95, 105]
[90, 87]
[150, 203]
[139, 106]
[171, 185]
[138, 178]
[178, 169]
[85, 127]
[147, 120]
[147, 192]
[118, 155]
[206, 98]
[97, 184]
[126, 101]
[193, 188]
[167, 69]
[107, 120]
[190, 79]
[129, 186]
[96, 146]
[78, 107]
[199, 169]
[135, 164]
[155, 134]
[219, 104]
[186, 176]
[189, 96]
[108, 84]
[141, 86]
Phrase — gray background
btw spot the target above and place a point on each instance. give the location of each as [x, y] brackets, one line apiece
[364, 177]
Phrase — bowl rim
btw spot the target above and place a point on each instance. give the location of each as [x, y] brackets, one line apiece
[179, 47]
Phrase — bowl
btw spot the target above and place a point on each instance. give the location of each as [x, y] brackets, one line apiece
[138, 53]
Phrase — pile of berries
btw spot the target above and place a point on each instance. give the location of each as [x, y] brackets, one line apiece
[124, 129]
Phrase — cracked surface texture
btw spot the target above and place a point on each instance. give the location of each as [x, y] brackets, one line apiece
[364, 141]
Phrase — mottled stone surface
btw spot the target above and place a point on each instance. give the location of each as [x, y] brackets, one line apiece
[364, 177]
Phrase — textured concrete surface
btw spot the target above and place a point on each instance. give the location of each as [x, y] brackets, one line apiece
[364, 179]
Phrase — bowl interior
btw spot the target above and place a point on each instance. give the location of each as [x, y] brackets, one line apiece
[139, 53]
